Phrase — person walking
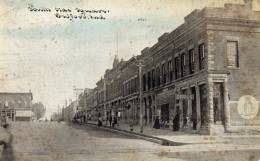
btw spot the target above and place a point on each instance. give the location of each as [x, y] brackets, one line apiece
[114, 121]
[110, 120]
[156, 123]
[99, 122]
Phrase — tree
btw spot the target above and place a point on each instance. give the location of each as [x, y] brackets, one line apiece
[38, 110]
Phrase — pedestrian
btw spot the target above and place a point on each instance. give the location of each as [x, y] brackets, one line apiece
[110, 120]
[145, 119]
[156, 123]
[114, 121]
[84, 118]
[99, 121]
[176, 121]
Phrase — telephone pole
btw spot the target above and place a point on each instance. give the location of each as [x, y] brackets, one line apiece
[140, 66]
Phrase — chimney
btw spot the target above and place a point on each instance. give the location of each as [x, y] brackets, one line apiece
[248, 4]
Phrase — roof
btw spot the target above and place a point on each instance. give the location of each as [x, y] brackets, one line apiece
[17, 93]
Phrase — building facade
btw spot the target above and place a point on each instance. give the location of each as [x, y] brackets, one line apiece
[200, 77]
[16, 106]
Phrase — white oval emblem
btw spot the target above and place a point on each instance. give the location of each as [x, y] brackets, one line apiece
[247, 107]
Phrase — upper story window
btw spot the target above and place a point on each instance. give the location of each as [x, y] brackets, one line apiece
[232, 54]
[170, 70]
[177, 67]
[191, 61]
[149, 80]
[163, 74]
[153, 78]
[158, 76]
[144, 82]
[136, 83]
[183, 64]
[201, 56]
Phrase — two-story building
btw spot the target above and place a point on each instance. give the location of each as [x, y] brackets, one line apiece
[16, 106]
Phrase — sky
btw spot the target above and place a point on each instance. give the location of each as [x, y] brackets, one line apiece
[50, 55]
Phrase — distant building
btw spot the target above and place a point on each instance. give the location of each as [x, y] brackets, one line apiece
[16, 106]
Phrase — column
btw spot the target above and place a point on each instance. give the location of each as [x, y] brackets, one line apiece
[189, 110]
[210, 103]
[226, 105]
[181, 111]
[198, 107]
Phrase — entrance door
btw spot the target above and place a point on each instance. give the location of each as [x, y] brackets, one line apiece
[176, 120]
[165, 113]
[194, 110]
[218, 103]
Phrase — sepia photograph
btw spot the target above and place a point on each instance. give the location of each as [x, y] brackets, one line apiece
[129, 80]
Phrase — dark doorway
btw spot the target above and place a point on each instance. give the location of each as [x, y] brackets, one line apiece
[185, 109]
[194, 110]
[165, 113]
[218, 103]
[176, 120]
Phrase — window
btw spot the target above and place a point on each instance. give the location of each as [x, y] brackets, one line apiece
[201, 56]
[144, 82]
[191, 61]
[136, 84]
[170, 70]
[232, 54]
[149, 80]
[163, 74]
[177, 67]
[183, 64]
[132, 86]
[153, 78]
[158, 76]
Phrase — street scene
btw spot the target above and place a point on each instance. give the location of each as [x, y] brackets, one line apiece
[129, 80]
[44, 141]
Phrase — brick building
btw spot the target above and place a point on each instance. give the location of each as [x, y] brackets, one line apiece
[16, 106]
[202, 76]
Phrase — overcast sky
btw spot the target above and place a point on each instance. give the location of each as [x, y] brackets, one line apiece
[49, 56]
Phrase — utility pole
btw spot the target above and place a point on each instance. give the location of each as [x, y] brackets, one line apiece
[140, 66]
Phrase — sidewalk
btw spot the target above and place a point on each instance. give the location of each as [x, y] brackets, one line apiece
[190, 138]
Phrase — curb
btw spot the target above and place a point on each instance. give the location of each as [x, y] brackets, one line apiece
[153, 139]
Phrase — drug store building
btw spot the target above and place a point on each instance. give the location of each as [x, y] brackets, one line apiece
[203, 75]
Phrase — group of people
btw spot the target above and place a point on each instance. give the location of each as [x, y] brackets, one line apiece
[165, 123]
[112, 121]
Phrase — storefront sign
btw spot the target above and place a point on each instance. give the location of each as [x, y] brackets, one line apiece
[184, 96]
